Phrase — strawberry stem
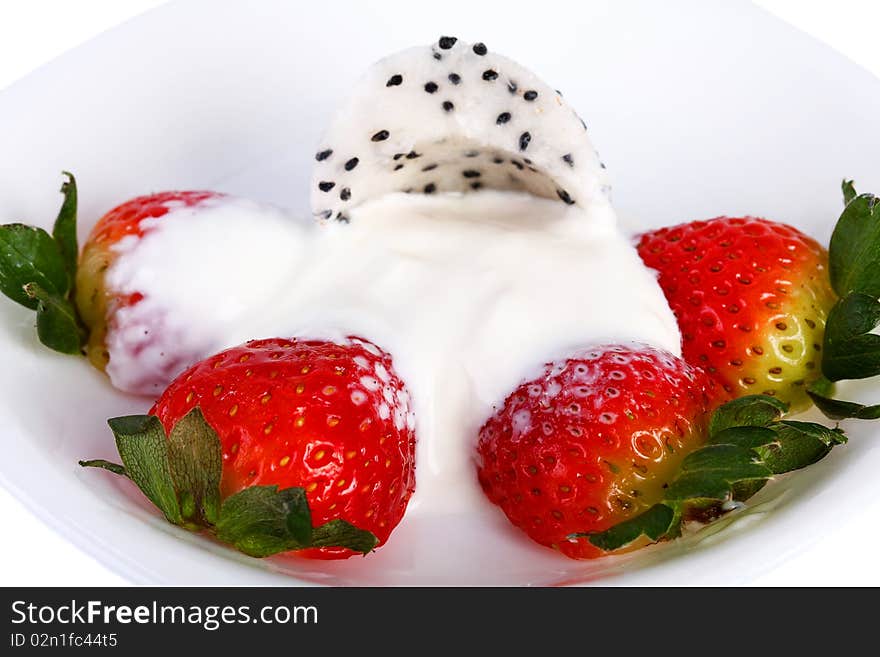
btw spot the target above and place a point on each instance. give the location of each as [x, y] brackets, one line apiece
[39, 271]
[180, 474]
[850, 349]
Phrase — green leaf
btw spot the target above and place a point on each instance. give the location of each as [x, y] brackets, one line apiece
[655, 523]
[816, 431]
[748, 411]
[181, 475]
[30, 255]
[729, 462]
[737, 461]
[115, 468]
[39, 271]
[798, 445]
[718, 472]
[849, 191]
[341, 533]
[743, 490]
[698, 486]
[850, 350]
[143, 447]
[57, 325]
[64, 230]
[262, 520]
[854, 250]
[196, 460]
[749, 437]
[836, 409]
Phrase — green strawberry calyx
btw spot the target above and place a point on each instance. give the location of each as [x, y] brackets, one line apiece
[749, 443]
[850, 350]
[180, 474]
[38, 271]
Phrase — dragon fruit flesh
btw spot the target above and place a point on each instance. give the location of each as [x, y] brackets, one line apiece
[453, 117]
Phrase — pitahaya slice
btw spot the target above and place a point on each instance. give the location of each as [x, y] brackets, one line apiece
[454, 117]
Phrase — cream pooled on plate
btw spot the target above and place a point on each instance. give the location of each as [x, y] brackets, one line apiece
[470, 294]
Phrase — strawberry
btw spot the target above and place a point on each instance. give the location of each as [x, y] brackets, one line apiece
[69, 291]
[592, 441]
[329, 420]
[751, 297]
[97, 304]
[748, 443]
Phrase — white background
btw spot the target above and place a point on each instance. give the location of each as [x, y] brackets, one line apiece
[33, 32]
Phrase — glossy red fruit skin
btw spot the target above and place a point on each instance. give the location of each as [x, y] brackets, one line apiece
[591, 441]
[313, 414]
[750, 296]
[97, 304]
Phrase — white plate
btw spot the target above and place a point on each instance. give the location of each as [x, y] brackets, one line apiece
[699, 109]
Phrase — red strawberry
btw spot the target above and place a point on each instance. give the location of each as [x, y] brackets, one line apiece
[333, 419]
[97, 304]
[592, 442]
[751, 297]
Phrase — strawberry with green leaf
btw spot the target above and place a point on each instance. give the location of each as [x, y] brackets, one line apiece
[749, 443]
[76, 306]
[617, 447]
[278, 446]
[592, 441]
[765, 309]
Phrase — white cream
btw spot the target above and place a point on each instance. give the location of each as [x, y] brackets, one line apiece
[470, 294]
[207, 274]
